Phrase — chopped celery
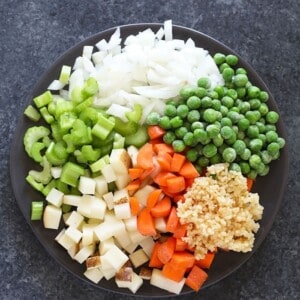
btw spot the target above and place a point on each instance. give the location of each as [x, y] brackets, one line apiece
[46, 141]
[66, 120]
[43, 176]
[103, 127]
[37, 208]
[66, 208]
[98, 143]
[47, 117]
[32, 113]
[70, 173]
[87, 154]
[62, 106]
[99, 164]
[60, 150]
[84, 104]
[106, 149]
[69, 141]
[137, 139]
[52, 157]
[76, 95]
[90, 87]
[51, 108]
[65, 74]
[57, 132]
[36, 149]
[80, 133]
[32, 135]
[119, 141]
[136, 114]
[36, 185]
[125, 128]
[89, 116]
[48, 187]
[43, 99]
[61, 186]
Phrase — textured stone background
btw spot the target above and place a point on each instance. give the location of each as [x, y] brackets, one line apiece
[34, 33]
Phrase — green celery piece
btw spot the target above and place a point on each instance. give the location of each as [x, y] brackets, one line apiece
[51, 108]
[106, 149]
[62, 106]
[69, 141]
[48, 187]
[46, 140]
[32, 113]
[136, 114]
[125, 128]
[84, 104]
[103, 127]
[66, 208]
[76, 95]
[52, 157]
[137, 139]
[70, 173]
[43, 176]
[37, 208]
[89, 116]
[43, 99]
[36, 185]
[99, 164]
[61, 186]
[47, 117]
[119, 141]
[80, 133]
[90, 88]
[98, 143]
[57, 132]
[33, 135]
[66, 120]
[36, 149]
[87, 154]
[75, 191]
[60, 150]
[65, 73]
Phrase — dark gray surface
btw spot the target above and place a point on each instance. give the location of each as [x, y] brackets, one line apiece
[34, 33]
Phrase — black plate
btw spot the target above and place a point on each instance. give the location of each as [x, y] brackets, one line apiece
[270, 187]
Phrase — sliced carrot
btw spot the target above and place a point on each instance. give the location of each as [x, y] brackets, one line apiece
[134, 206]
[154, 260]
[147, 173]
[155, 132]
[183, 259]
[172, 220]
[188, 170]
[249, 184]
[162, 208]
[180, 245]
[133, 185]
[180, 230]
[153, 197]
[189, 182]
[177, 162]
[173, 272]
[206, 262]
[196, 278]
[164, 159]
[156, 141]
[178, 198]
[144, 157]
[162, 177]
[166, 250]
[145, 223]
[135, 173]
[161, 147]
[175, 184]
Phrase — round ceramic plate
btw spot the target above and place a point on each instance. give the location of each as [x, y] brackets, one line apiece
[270, 187]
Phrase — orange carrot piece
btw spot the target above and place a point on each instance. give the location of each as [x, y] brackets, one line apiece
[180, 230]
[166, 250]
[133, 185]
[161, 147]
[155, 132]
[153, 198]
[177, 162]
[161, 208]
[183, 259]
[175, 184]
[135, 173]
[154, 260]
[196, 278]
[147, 173]
[178, 198]
[180, 245]
[144, 157]
[189, 182]
[162, 177]
[173, 272]
[249, 184]
[145, 223]
[164, 159]
[188, 170]
[134, 205]
[172, 220]
[206, 262]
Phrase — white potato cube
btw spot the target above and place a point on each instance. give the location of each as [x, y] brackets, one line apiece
[122, 180]
[84, 253]
[91, 207]
[74, 234]
[108, 273]
[114, 257]
[55, 197]
[131, 223]
[93, 262]
[95, 275]
[109, 173]
[136, 236]
[109, 199]
[72, 200]
[160, 224]
[55, 172]
[52, 216]
[131, 247]
[143, 193]
[66, 216]
[73, 250]
[138, 258]
[123, 239]
[101, 186]
[121, 196]
[88, 237]
[64, 240]
[147, 245]
[135, 283]
[106, 245]
[109, 228]
[133, 152]
[120, 161]
[75, 219]
[87, 185]
[122, 211]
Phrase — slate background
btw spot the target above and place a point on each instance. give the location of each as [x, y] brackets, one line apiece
[34, 33]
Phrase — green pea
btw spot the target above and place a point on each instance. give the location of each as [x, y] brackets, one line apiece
[220, 90]
[204, 82]
[235, 167]
[227, 74]
[219, 58]
[244, 107]
[169, 137]
[246, 154]
[181, 131]
[235, 109]
[263, 138]
[193, 116]
[241, 92]
[240, 71]
[229, 155]
[264, 171]
[261, 127]
[243, 124]
[218, 140]
[153, 118]
[176, 122]
[253, 92]
[252, 174]
[210, 115]
[171, 102]
[254, 103]
[232, 60]
[240, 135]
[273, 149]
[240, 80]
[188, 139]
[223, 66]
[227, 101]
[232, 93]
[203, 161]
[265, 157]
[197, 125]
[253, 116]
[192, 155]
[170, 110]
[254, 161]
[212, 130]
[255, 145]
[263, 96]
[200, 92]
[200, 135]
[281, 142]
[216, 159]
[270, 127]
[187, 92]
[232, 139]
[263, 109]
[193, 102]
[222, 148]
[226, 132]
[206, 102]
[182, 110]
[252, 131]
[164, 122]
[235, 117]
[272, 117]
[260, 168]
[216, 104]
[226, 121]
[178, 145]
[223, 110]
[245, 168]
[209, 150]
[239, 146]
[271, 136]
[213, 95]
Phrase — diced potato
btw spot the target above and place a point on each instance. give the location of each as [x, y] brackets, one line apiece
[131, 247]
[105, 245]
[75, 219]
[114, 257]
[93, 262]
[133, 285]
[55, 197]
[123, 239]
[143, 193]
[108, 273]
[64, 240]
[87, 185]
[133, 152]
[120, 161]
[71, 199]
[124, 274]
[109, 228]
[92, 207]
[122, 180]
[160, 224]
[101, 186]
[74, 234]
[109, 199]
[84, 253]
[160, 281]
[147, 245]
[136, 236]
[66, 216]
[55, 172]
[52, 216]
[73, 250]
[109, 173]
[121, 196]
[145, 273]
[122, 211]
[138, 258]
[95, 275]
[131, 223]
